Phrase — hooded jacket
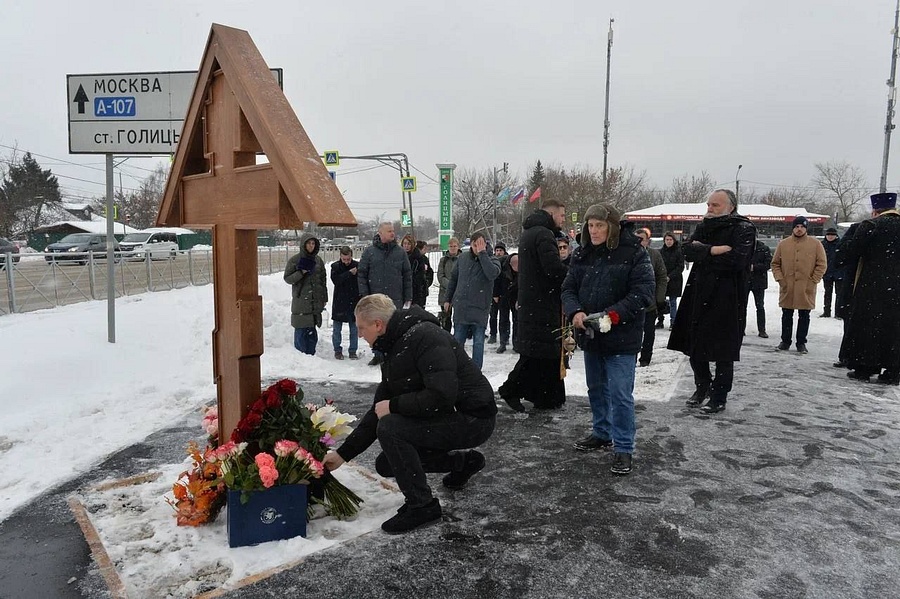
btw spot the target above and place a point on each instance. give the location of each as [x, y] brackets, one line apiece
[305, 272]
[425, 374]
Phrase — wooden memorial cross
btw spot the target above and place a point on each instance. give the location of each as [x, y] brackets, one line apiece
[236, 112]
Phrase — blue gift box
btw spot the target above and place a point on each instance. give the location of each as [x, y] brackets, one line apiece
[271, 515]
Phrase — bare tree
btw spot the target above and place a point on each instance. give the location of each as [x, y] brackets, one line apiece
[788, 197]
[473, 201]
[690, 189]
[844, 186]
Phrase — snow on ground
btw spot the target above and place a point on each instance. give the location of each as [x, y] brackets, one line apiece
[70, 398]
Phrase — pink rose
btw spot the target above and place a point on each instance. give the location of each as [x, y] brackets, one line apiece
[268, 476]
[264, 460]
[285, 447]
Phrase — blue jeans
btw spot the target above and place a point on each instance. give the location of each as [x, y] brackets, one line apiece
[461, 331]
[610, 381]
[673, 307]
[305, 340]
[337, 328]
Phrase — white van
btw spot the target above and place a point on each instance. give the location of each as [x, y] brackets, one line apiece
[158, 245]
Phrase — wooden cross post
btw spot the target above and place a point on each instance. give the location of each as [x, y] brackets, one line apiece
[238, 112]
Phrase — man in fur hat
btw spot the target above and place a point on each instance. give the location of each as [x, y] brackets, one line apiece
[709, 324]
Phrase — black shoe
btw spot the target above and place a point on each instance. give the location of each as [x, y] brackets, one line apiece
[841, 364]
[888, 379]
[643, 363]
[376, 360]
[411, 518]
[699, 396]
[592, 443]
[492, 340]
[353, 356]
[783, 346]
[764, 334]
[472, 464]
[825, 314]
[660, 325]
[621, 465]
[713, 407]
[502, 348]
[514, 403]
[801, 348]
[338, 355]
[858, 375]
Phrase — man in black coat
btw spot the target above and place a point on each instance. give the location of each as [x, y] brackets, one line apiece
[759, 282]
[844, 295]
[834, 275]
[431, 402]
[501, 255]
[538, 375]
[710, 321]
[872, 338]
[674, 259]
[346, 294]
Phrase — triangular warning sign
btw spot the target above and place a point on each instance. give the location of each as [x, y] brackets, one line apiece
[237, 111]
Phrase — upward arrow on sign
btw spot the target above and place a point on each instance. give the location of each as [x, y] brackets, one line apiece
[80, 99]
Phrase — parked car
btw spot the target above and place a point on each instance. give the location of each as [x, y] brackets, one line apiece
[79, 247]
[157, 244]
[8, 247]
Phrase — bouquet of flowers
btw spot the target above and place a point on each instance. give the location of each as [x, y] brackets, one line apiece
[600, 322]
[280, 441]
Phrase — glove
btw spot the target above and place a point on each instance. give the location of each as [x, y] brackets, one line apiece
[306, 264]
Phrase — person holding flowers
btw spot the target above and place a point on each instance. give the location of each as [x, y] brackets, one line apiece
[609, 284]
[432, 402]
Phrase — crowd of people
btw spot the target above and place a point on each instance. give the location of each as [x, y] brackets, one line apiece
[606, 291]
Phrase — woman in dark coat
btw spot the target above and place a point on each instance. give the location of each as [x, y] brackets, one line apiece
[346, 295]
[420, 270]
[305, 272]
[674, 259]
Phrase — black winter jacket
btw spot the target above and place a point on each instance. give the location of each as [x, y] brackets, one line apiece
[384, 268]
[541, 274]
[833, 272]
[425, 373]
[674, 260]
[346, 291]
[621, 280]
[422, 276]
[762, 262]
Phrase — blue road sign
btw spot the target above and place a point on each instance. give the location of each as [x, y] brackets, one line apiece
[114, 107]
[408, 183]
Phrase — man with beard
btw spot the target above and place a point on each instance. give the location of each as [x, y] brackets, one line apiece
[431, 409]
[710, 321]
[537, 376]
[872, 338]
[384, 268]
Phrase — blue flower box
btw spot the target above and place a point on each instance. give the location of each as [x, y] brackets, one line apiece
[274, 514]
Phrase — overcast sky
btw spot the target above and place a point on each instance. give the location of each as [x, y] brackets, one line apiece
[696, 84]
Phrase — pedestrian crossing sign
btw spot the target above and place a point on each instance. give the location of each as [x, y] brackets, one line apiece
[332, 158]
[408, 183]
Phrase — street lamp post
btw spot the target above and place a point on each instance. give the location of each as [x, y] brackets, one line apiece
[497, 195]
[737, 183]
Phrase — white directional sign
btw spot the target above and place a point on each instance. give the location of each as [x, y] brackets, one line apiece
[129, 113]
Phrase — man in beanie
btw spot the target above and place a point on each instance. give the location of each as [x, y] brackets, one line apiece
[709, 323]
[834, 274]
[538, 376]
[611, 272]
[501, 255]
[798, 265]
[871, 342]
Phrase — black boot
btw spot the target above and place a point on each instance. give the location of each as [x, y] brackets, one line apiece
[699, 396]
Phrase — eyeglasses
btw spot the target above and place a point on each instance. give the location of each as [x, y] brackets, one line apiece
[563, 247]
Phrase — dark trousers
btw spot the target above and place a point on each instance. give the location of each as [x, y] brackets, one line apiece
[649, 337]
[413, 446]
[504, 311]
[446, 319]
[492, 320]
[720, 387]
[787, 325]
[759, 299]
[832, 285]
[536, 380]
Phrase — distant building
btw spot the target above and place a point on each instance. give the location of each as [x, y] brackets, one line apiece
[681, 219]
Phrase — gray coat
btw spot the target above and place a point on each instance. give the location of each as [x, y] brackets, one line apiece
[444, 272]
[309, 291]
[470, 288]
[384, 268]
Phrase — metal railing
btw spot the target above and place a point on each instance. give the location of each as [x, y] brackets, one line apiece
[38, 281]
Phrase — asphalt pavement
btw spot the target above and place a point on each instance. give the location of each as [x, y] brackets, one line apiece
[793, 491]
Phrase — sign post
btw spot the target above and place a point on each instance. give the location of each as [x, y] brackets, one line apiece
[446, 204]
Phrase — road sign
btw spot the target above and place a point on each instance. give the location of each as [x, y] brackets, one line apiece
[408, 183]
[129, 113]
[333, 175]
[332, 158]
[404, 218]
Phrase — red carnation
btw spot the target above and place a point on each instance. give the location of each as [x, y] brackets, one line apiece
[287, 386]
[613, 316]
[259, 406]
[252, 421]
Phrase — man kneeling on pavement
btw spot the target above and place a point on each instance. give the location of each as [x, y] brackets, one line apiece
[432, 402]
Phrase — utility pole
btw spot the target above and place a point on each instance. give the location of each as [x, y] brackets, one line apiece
[606, 109]
[497, 195]
[892, 93]
[737, 181]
